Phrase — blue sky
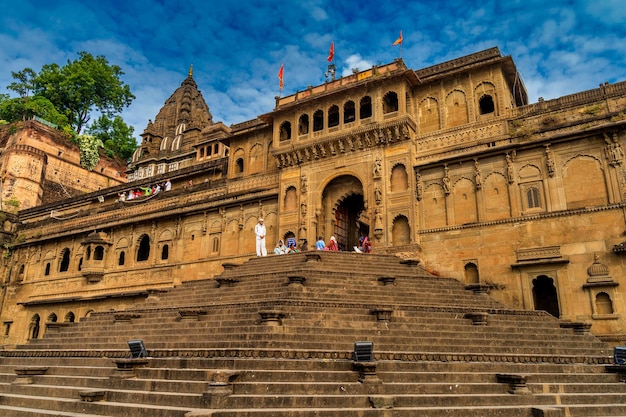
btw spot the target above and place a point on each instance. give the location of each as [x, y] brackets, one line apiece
[236, 47]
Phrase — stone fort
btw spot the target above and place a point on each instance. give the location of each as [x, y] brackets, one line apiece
[448, 165]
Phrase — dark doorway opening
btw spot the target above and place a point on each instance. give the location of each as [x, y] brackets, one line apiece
[544, 295]
[349, 226]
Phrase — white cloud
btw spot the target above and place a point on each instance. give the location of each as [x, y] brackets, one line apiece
[355, 62]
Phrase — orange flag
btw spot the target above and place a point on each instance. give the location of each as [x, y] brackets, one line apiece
[331, 54]
[398, 41]
[280, 75]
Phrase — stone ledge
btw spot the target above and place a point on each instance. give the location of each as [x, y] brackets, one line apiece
[25, 374]
[92, 396]
[226, 282]
[191, 314]
[478, 318]
[126, 317]
[517, 382]
[126, 367]
[382, 313]
[272, 317]
[547, 412]
[620, 370]
[367, 371]
[578, 327]
[387, 280]
[478, 288]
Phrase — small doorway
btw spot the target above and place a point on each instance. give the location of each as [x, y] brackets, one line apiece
[33, 330]
[545, 296]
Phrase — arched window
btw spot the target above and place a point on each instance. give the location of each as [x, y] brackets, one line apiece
[20, 275]
[285, 131]
[165, 252]
[65, 260]
[143, 253]
[471, 273]
[122, 258]
[291, 199]
[456, 109]
[70, 317]
[486, 105]
[333, 116]
[390, 102]
[349, 112]
[47, 270]
[80, 264]
[303, 124]
[318, 121]
[429, 115]
[239, 166]
[216, 244]
[401, 231]
[98, 253]
[88, 252]
[365, 108]
[604, 305]
[532, 197]
[399, 178]
[52, 318]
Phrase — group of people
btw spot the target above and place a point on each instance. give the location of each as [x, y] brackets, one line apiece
[145, 191]
[364, 245]
[261, 250]
[332, 244]
[280, 249]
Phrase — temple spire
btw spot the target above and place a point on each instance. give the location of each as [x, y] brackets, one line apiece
[191, 70]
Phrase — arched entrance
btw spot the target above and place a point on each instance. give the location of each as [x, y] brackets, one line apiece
[349, 226]
[344, 212]
[544, 295]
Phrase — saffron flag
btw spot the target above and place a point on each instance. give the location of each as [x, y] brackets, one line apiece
[398, 41]
[331, 54]
[280, 75]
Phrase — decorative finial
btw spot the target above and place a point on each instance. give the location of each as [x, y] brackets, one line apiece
[191, 70]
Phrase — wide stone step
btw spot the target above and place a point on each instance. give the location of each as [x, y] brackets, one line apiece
[104, 408]
[9, 411]
[494, 411]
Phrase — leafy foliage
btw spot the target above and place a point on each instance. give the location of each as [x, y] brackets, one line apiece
[116, 136]
[27, 107]
[89, 151]
[68, 95]
[25, 82]
[82, 86]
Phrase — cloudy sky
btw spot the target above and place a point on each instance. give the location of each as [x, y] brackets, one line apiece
[236, 47]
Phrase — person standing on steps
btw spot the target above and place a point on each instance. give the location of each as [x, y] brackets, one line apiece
[332, 245]
[259, 231]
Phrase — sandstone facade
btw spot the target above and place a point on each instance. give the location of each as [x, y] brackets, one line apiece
[447, 164]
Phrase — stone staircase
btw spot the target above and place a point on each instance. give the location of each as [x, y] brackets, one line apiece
[275, 337]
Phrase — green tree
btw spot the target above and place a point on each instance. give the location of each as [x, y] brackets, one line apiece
[80, 87]
[115, 134]
[14, 109]
[67, 95]
[25, 82]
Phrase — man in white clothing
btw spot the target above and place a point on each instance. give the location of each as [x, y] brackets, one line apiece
[259, 231]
